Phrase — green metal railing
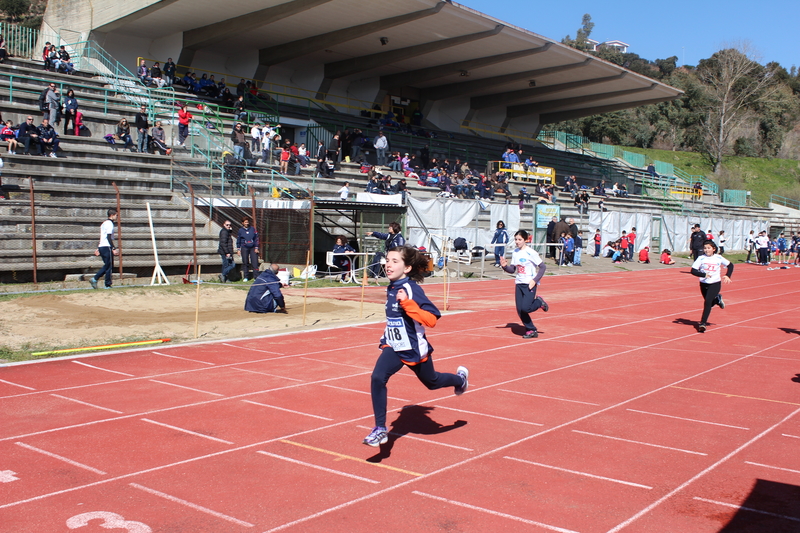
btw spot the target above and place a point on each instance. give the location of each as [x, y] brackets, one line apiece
[20, 41]
[734, 197]
[784, 201]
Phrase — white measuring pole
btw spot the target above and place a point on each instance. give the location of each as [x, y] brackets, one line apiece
[159, 277]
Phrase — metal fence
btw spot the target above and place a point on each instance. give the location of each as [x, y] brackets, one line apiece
[20, 41]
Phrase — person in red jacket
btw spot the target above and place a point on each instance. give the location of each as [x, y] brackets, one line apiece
[598, 240]
[184, 118]
[624, 244]
[644, 255]
[631, 243]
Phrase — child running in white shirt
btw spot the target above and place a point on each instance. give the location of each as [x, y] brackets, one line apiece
[708, 268]
[525, 261]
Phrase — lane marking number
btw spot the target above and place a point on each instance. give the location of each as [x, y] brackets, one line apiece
[110, 521]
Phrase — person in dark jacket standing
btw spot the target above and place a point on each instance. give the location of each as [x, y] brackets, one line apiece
[225, 250]
[696, 240]
[70, 113]
[265, 295]
[391, 239]
[143, 128]
[247, 243]
[500, 238]
[106, 250]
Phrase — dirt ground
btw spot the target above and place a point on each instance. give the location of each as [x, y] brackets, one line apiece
[67, 319]
[77, 319]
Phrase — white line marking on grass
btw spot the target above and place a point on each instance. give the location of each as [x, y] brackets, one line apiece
[103, 369]
[407, 436]
[287, 410]
[638, 442]
[585, 474]
[792, 436]
[688, 419]
[251, 349]
[494, 513]
[187, 388]
[488, 415]
[734, 506]
[192, 505]
[265, 374]
[364, 392]
[176, 428]
[184, 358]
[16, 384]
[87, 404]
[548, 397]
[60, 458]
[773, 467]
[310, 465]
[688, 482]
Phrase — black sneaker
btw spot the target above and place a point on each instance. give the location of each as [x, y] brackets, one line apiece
[531, 334]
[701, 327]
[720, 303]
[545, 307]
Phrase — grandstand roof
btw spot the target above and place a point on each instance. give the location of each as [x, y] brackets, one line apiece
[429, 50]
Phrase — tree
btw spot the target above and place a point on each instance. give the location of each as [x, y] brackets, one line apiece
[734, 83]
[581, 40]
[15, 8]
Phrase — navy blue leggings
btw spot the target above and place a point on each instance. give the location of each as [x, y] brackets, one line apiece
[526, 304]
[388, 364]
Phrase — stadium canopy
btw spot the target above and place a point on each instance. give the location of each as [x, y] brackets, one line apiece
[458, 64]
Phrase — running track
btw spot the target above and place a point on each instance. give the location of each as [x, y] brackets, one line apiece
[619, 417]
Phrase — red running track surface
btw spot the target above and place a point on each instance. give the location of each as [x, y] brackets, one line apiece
[619, 417]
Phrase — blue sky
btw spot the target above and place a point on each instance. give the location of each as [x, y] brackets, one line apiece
[657, 30]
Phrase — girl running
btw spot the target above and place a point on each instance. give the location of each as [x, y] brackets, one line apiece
[524, 261]
[408, 312]
[708, 267]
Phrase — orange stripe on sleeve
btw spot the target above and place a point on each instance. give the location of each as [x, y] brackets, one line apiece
[412, 309]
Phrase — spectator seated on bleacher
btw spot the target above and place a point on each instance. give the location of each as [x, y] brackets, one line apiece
[48, 138]
[157, 75]
[62, 62]
[395, 162]
[7, 134]
[599, 191]
[144, 73]
[158, 139]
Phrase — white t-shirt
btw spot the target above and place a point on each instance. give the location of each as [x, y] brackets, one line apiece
[762, 241]
[527, 261]
[344, 192]
[711, 266]
[106, 228]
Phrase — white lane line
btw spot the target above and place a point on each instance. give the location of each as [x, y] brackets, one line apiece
[184, 358]
[264, 374]
[60, 458]
[364, 392]
[103, 369]
[287, 410]
[494, 513]
[310, 465]
[187, 388]
[192, 505]
[773, 467]
[585, 474]
[489, 416]
[87, 404]
[176, 428]
[407, 436]
[323, 361]
[638, 442]
[791, 436]
[250, 349]
[687, 419]
[16, 384]
[548, 397]
[705, 471]
[734, 506]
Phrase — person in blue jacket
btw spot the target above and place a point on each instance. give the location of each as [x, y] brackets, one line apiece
[342, 261]
[500, 237]
[247, 243]
[265, 294]
[404, 344]
[391, 239]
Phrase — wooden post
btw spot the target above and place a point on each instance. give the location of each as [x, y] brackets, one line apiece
[197, 304]
[363, 284]
[194, 236]
[33, 231]
[119, 230]
[305, 290]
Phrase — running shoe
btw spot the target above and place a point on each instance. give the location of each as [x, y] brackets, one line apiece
[93, 283]
[530, 334]
[720, 303]
[464, 373]
[377, 436]
[701, 327]
[545, 307]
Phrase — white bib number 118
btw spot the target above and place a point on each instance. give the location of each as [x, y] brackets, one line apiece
[396, 335]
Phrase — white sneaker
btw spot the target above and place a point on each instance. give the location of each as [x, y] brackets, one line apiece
[53, 154]
[464, 373]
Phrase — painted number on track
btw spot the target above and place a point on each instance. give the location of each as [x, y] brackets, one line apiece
[7, 476]
[110, 521]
